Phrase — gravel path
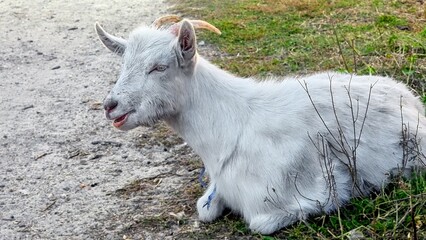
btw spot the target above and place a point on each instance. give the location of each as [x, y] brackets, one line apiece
[61, 162]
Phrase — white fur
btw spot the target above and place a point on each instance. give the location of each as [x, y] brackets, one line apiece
[259, 140]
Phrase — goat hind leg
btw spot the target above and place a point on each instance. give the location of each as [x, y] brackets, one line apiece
[270, 223]
[210, 205]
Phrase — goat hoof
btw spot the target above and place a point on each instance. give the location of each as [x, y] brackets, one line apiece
[210, 213]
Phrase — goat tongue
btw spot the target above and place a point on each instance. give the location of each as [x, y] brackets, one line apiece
[118, 122]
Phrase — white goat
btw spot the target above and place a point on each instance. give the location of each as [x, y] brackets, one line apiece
[276, 150]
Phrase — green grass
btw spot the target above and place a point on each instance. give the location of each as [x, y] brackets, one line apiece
[391, 214]
[303, 36]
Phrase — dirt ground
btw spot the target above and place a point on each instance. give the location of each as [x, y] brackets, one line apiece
[62, 164]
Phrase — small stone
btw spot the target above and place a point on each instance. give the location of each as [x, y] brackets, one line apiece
[196, 224]
[96, 156]
[24, 192]
[117, 172]
[178, 215]
[96, 106]
[56, 67]
[404, 28]
[355, 234]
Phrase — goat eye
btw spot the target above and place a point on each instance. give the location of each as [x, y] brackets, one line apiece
[159, 68]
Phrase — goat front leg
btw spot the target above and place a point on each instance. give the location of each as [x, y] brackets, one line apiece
[210, 205]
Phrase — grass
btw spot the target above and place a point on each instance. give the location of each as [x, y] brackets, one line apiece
[281, 37]
[302, 36]
[391, 214]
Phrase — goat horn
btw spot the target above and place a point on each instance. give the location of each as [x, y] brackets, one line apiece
[166, 19]
[198, 24]
[204, 25]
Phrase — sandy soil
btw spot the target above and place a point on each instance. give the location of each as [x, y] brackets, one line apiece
[61, 162]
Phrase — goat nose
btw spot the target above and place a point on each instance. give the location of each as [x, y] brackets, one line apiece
[110, 104]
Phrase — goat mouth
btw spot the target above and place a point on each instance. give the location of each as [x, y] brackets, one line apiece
[118, 122]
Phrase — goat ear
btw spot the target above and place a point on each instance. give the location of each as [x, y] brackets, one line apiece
[187, 43]
[115, 44]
